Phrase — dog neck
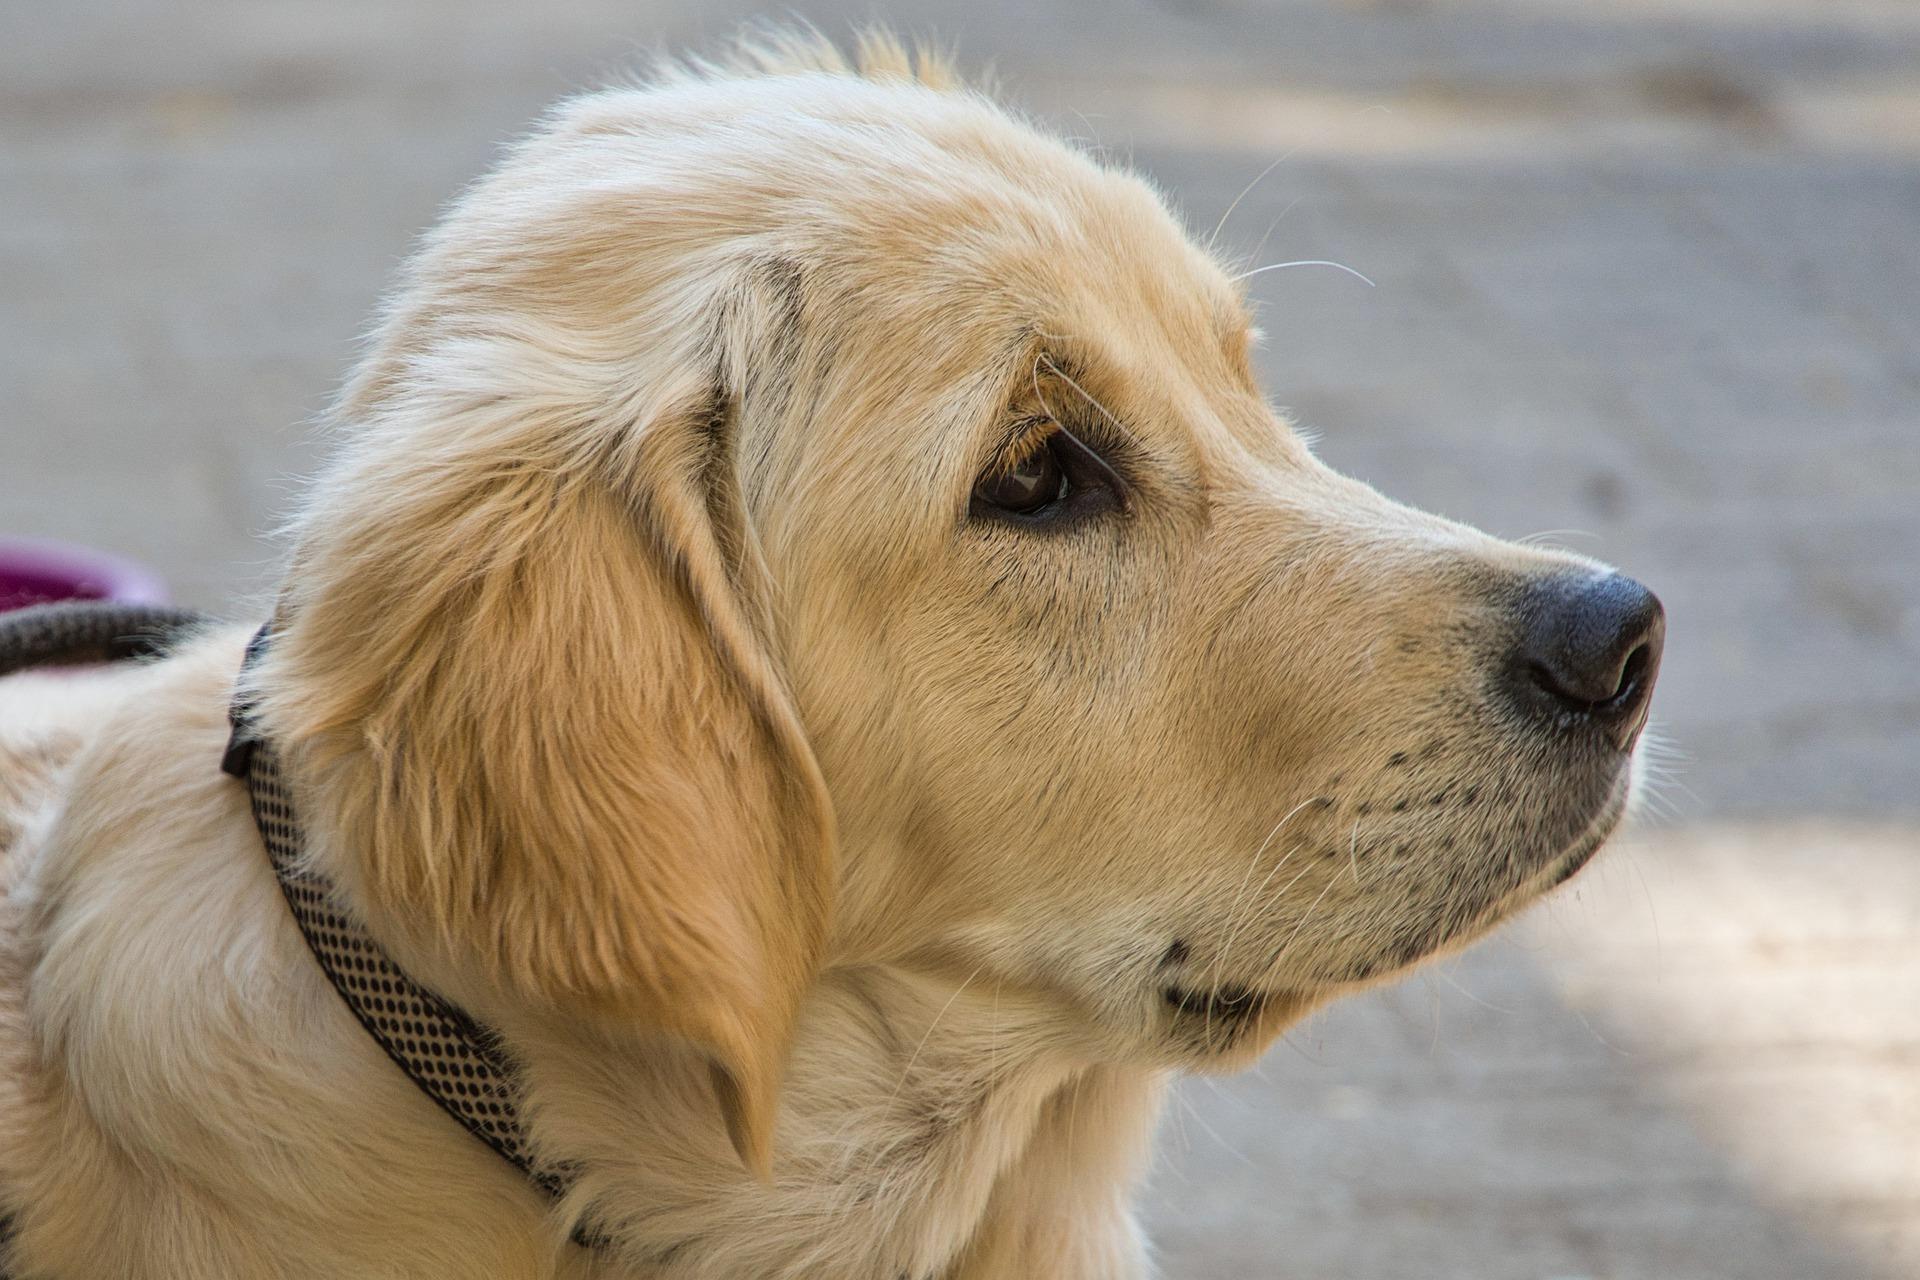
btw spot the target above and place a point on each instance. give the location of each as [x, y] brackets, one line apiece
[929, 1127]
[931, 1124]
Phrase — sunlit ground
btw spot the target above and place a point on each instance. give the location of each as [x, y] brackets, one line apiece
[1701, 1058]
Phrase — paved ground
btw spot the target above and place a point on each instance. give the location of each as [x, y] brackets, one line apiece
[1647, 279]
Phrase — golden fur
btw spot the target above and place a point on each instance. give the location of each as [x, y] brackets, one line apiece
[831, 858]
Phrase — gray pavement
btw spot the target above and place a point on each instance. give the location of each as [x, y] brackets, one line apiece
[1648, 281]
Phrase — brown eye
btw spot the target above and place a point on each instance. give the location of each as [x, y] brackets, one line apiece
[1057, 485]
[1029, 486]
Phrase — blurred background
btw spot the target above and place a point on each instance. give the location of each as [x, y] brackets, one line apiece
[1647, 285]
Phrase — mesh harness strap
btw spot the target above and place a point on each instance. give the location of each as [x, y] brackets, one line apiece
[454, 1060]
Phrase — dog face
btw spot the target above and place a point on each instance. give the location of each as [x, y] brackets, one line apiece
[811, 518]
[1123, 695]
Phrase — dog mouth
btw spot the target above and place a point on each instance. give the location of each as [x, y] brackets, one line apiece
[1221, 1020]
[1221, 1026]
[1218, 1026]
[1226, 1006]
[1462, 925]
[1578, 854]
[1466, 914]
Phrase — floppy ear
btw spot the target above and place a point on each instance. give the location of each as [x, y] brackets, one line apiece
[511, 665]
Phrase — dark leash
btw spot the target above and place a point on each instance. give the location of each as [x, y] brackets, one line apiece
[453, 1059]
[74, 632]
[69, 634]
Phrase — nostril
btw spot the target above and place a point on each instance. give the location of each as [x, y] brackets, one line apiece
[1632, 672]
[1590, 646]
[1595, 691]
[1555, 686]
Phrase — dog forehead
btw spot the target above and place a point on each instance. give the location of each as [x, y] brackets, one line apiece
[917, 197]
[902, 209]
[949, 173]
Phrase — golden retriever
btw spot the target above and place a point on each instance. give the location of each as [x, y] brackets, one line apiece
[815, 636]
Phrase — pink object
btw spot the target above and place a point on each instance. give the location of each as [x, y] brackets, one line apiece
[35, 572]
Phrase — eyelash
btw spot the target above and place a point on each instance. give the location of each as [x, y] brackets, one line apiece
[1026, 438]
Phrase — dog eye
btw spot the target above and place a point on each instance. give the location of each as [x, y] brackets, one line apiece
[1026, 487]
[1060, 480]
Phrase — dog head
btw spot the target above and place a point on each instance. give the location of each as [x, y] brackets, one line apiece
[794, 516]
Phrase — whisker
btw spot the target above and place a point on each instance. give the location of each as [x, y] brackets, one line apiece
[1440, 972]
[1304, 262]
[880, 1151]
[1038, 395]
[1653, 912]
[1605, 1043]
[1067, 378]
[1311, 908]
[1268, 233]
[1226, 1146]
[1242, 900]
[915, 1057]
[1246, 191]
[1549, 538]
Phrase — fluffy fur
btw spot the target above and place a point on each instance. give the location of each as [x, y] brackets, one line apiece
[848, 868]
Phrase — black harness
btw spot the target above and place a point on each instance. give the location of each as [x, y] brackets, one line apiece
[451, 1058]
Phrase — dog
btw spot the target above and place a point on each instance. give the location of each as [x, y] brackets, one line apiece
[813, 636]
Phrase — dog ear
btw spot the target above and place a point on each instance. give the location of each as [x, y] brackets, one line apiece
[514, 670]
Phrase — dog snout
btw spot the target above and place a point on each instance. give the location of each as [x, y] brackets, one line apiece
[1588, 652]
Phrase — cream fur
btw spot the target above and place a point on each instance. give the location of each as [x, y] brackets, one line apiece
[826, 854]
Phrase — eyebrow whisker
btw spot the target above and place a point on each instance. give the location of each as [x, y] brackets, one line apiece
[1067, 378]
[1278, 219]
[1310, 262]
[1039, 396]
[1279, 160]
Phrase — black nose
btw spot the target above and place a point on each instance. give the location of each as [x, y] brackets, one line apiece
[1589, 648]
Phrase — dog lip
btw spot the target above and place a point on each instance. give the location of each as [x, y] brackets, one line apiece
[1580, 851]
[1544, 873]
[1224, 1003]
